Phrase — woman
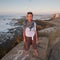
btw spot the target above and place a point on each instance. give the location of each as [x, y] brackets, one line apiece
[30, 33]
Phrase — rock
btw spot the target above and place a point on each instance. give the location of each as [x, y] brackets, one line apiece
[17, 53]
[9, 39]
[57, 15]
[14, 36]
[55, 53]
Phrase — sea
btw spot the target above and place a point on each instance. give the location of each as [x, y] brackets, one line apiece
[6, 20]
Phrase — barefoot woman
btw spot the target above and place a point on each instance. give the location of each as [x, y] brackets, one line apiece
[30, 33]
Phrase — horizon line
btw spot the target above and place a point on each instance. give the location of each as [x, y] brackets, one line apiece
[33, 13]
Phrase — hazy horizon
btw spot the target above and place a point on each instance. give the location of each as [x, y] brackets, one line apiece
[23, 6]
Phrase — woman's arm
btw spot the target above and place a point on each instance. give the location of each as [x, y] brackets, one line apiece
[24, 38]
[36, 31]
[36, 36]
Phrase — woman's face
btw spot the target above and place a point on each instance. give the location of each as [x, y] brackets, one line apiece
[29, 17]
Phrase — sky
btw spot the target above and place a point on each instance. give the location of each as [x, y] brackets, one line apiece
[23, 6]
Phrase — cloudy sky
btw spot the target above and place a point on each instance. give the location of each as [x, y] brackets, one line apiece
[36, 6]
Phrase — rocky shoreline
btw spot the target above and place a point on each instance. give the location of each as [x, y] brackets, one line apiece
[14, 35]
[10, 37]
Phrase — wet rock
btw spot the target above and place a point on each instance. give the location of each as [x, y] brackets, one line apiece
[9, 39]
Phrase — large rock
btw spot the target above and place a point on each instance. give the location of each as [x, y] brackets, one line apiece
[17, 53]
[55, 53]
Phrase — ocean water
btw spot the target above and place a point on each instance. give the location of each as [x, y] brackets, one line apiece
[5, 20]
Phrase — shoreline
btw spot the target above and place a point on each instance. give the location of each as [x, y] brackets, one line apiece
[14, 36]
[17, 32]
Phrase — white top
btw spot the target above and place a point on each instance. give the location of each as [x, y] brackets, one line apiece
[30, 33]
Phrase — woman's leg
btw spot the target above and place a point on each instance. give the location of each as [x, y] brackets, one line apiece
[35, 46]
[27, 44]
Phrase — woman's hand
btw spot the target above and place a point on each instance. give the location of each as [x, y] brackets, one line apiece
[36, 37]
[24, 39]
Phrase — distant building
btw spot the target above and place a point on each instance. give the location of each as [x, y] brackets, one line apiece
[57, 15]
[54, 16]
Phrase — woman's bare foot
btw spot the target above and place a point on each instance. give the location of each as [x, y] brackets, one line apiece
[25, 53]
[36, 53]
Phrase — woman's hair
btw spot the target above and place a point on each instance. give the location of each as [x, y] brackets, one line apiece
[30, 13]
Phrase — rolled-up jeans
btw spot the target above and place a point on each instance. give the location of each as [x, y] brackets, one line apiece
[29, 42]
